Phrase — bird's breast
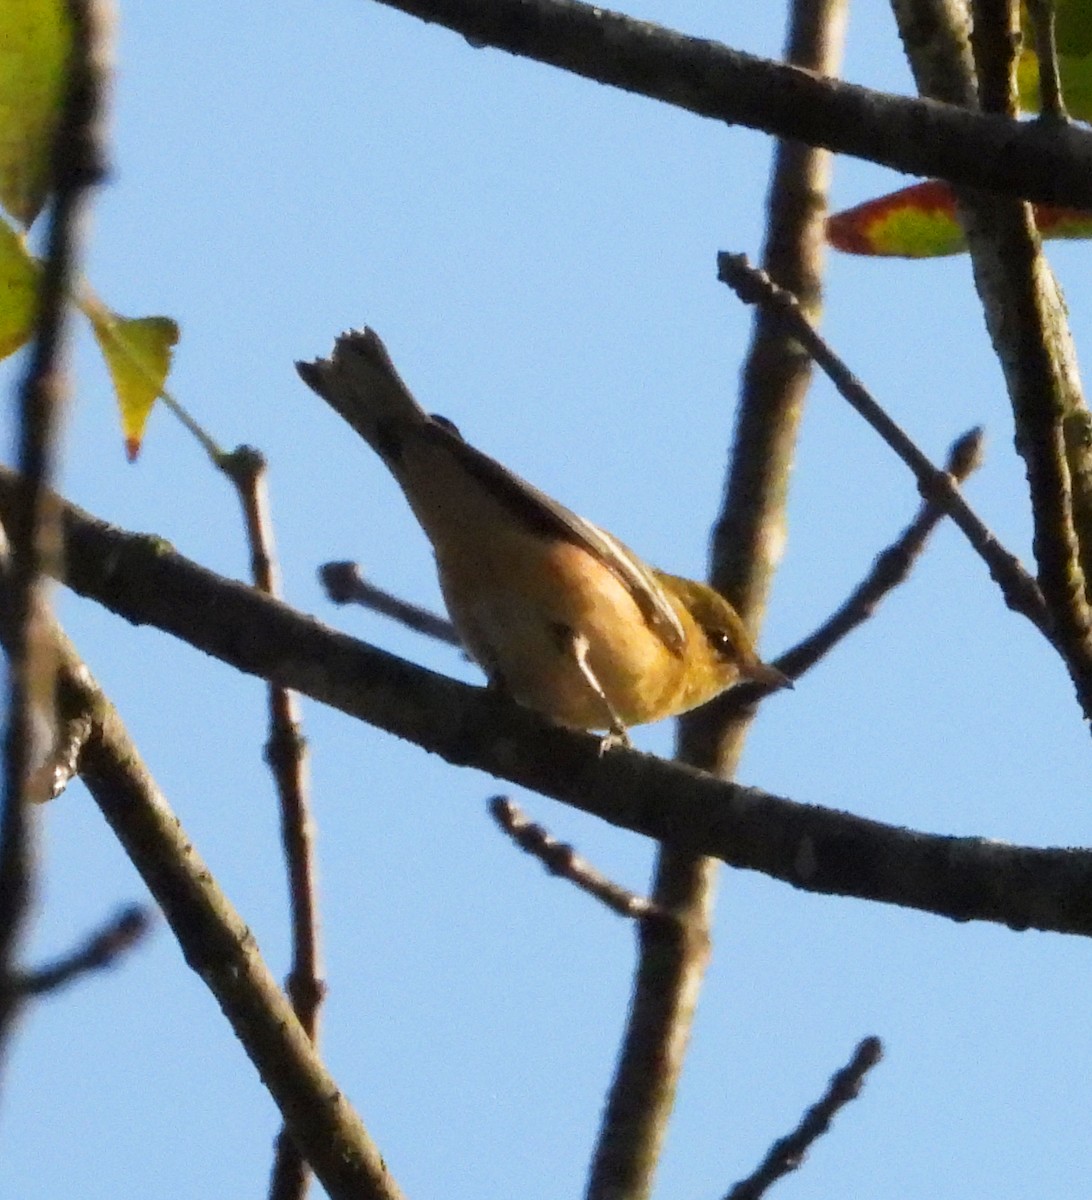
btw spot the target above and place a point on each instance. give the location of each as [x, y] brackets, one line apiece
[516, 612]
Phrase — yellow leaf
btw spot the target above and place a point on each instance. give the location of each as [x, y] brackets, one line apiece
[19, 276]
[138, 352]
[35, 40]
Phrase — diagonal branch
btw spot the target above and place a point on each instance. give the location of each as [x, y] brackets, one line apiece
[96, 953]
[345, 584]
[788, 1153]
[218, 945]
[1020, 591]
[917, 137]
[560, 859]
[890, 568]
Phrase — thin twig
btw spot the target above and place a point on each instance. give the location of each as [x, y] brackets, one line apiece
[1019, 589]
[77, 165]
[787, 1154]
[562, 860]
[890, 568]
[98, 952]
[345, 584]
[286, 753]
[1051, 100]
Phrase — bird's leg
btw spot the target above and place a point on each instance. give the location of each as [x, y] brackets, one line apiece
[577, 644]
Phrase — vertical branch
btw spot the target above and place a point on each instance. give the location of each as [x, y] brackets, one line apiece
[936, 35]
[1043, 24]
[747, 543]
[287, 758]
[1024, 310]
[33, 531]
[995, 44]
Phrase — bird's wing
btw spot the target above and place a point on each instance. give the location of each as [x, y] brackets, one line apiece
[359, 380]
[553, 518]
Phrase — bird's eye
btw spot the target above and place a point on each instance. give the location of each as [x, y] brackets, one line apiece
[722, 642]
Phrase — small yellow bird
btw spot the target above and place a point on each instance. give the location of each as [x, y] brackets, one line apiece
[558, 613]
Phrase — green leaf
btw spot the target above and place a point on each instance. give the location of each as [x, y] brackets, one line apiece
[1073, 28]
[20, 274]
[1073, 41]
[35, 41]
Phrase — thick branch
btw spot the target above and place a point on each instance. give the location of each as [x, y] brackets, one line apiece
[219, 947]
[820, 850]
[748, 537]
[1025, 315]
[918, 137]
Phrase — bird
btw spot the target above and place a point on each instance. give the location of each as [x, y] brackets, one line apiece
[559, 614]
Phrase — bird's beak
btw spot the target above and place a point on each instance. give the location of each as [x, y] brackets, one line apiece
[762, 673]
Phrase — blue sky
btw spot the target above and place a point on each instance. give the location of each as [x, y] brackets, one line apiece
[539, 254]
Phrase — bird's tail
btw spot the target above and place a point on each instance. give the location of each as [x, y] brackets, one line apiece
[359, 381]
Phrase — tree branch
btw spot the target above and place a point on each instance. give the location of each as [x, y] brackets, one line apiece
[891, 567]
[1025, 316]
[560, 859]
[1051, 100]
[788, 1153]
[1020, 591]
[820, 850]
[1051, 162]
[344, 583]
[286, 754]
[1026, 319]
[32, 522]
[747, 540]
[97, 953]
[218, 945]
